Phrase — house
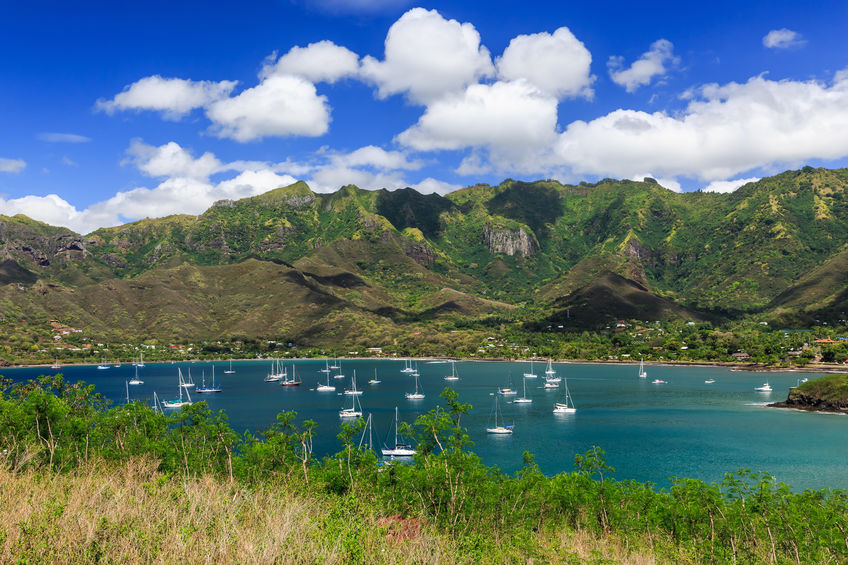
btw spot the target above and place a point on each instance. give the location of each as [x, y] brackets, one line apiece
[741, 356]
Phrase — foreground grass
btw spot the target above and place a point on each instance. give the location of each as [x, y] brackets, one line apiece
[133, 513]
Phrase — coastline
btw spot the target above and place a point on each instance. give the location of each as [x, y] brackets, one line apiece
[748, 367]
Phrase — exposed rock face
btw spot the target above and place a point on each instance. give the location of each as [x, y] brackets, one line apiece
[509, 242]
[420, 253]
[804, 401]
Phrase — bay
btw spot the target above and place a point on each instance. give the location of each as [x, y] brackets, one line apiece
[650, 432]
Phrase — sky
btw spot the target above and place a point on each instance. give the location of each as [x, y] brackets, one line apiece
[116, 111]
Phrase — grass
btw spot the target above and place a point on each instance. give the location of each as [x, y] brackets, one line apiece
[133, 513]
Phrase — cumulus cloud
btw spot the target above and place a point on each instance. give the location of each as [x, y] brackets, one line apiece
[323, 61]
[513, 120]
[427, 56]
[558, 64]
[278, 106]
[11, 165]
[728, 185]
[652, 63]
[431, 186]
[783, 39]
[53, 137]
[171, 160]
[173, 97]
[725, 130]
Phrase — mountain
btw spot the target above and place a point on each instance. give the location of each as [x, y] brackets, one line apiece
[338, 266]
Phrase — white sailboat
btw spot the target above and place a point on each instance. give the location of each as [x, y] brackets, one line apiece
[102, 366]
[204, 388]
[352, 391]
[523, 399]
[531, 374]
[294, 380]
[325, 387]
[157, 406]
[642, 373]
[140, 359]
[277, 373]
[417, 395]
[56, 365]
[407, 367]
[499, 428]
[326, 368]
[135, 380]
[400, 449]
[375, 380]
[550, 374]
[335, 365]
[190, 382]
[355, 410]
[567, 405]
[508, 390]
[453, 376]
[765, 388]
[177, 403]
[230, 370]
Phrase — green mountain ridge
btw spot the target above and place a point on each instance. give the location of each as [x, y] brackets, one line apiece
[302, 264]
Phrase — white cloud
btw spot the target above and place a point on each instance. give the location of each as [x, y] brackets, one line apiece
[174, 97]
[514, 121]
[725, 130]
[323, 61]
[431, 185]
[53, 137]
[558, 64]
[11, 165]
[378, 157]
[652, 63]
[171, 160]
[783, 39]
[427, 56]
[278, 106]
[728, 185]
[69, 162]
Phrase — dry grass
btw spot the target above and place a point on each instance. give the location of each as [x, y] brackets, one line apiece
[135, 515]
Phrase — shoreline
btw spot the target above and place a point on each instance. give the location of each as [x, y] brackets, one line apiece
[749, 367]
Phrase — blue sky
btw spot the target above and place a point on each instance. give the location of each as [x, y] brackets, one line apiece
[113, 112]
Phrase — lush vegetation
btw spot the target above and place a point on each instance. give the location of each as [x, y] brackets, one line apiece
[89, 482]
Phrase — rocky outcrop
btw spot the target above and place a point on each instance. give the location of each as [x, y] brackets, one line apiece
[509, 241]
[803, 400]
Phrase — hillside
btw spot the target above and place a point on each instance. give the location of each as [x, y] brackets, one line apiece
[298, 264]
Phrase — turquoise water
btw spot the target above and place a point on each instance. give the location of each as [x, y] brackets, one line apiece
[684, 428]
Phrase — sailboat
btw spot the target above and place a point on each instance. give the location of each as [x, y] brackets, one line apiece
[190, 382]
[523, 399]
[56, 365]
[277, 373]
[352, 391]
[415, 395]
[326, 368]
[340, 375]
[355, 410]
[127, 385]
[531, 374]
[135, 380]
[325, 387]
[103, 365]
[335, 365]
[399, 449]
[499, 428]
[367, 430]
[567, 406]
[642, 373]
[550, 374]
[157, 406]
[453, 376]
[375, 380]
[204, 388]
[140, 359]
[765, 388]
[293, 381]
[177, 403]
[230, 370]
[407, 368]
[508, 391]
